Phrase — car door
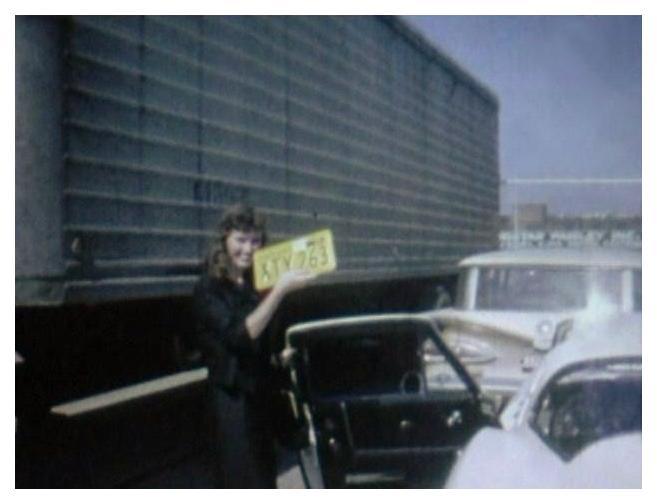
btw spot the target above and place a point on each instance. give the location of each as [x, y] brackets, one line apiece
[374, 411]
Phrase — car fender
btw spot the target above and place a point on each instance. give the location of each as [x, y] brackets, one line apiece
[610, 463]
[495, 458]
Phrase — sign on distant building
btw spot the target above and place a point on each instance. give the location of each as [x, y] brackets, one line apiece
[532, 215]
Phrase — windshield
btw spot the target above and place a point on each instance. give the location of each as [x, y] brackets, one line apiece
[590, 403]
[534, 288]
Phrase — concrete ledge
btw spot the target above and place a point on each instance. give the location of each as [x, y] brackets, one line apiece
[130, 393]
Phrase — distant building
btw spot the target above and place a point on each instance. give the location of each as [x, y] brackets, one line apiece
[560, 239]
[532, 216]
[533, 227]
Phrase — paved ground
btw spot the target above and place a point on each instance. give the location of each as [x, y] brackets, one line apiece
[156, 443]
[195, 472]
[159, 442]
[289, 475]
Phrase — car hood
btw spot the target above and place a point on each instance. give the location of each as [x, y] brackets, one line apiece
[521, 326]
[614, 462]
[495, 458]
[520, 459]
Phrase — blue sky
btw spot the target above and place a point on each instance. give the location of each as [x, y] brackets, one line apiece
[570, 101]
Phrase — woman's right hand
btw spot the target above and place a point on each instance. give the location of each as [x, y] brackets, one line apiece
[288, 282]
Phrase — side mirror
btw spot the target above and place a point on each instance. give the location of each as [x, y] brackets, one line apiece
[548, 337]
[563, 329]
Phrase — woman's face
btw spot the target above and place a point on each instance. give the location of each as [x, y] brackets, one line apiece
[240, 246]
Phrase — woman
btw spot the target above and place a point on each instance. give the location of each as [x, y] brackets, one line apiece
[231, 326]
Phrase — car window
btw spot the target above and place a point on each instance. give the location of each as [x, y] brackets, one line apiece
[440, 375]
[531, 288]
[588, 403]
[461, 290]
[606, 287]
[636, 290]
[361, 363]
[385, 359]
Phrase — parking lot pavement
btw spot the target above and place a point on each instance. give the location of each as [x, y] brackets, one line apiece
[196, 472]
[290, 478]
[289, 472]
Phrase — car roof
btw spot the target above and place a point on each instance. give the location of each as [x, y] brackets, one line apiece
[609, 257]
[611, 337]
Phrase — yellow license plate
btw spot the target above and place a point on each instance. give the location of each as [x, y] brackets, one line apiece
[313, 252]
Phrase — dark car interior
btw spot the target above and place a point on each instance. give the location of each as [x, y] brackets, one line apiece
[371, 410]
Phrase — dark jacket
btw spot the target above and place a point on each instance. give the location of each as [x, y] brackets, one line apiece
[235, 361]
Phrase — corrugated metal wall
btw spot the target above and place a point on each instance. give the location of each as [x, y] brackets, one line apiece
[349, 123]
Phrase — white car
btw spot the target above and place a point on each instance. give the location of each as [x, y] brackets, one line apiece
[514, 306]
[576, 423]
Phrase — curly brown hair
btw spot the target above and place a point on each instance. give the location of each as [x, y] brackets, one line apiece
[239, 217]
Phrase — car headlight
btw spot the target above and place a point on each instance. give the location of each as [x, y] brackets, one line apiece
[469, 350]
[544, 338]
[473, 351]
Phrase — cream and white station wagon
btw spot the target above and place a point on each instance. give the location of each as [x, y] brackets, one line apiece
[514, 306]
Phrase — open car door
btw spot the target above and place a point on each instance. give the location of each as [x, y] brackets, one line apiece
[375, 412]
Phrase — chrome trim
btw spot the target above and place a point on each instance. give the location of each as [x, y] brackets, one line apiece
[347, 427]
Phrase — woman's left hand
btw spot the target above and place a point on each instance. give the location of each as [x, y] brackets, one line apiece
[283, 359]
[286, 356]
